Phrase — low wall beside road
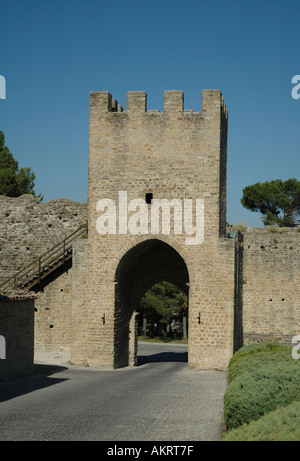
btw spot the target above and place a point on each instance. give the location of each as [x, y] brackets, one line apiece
[16, 338]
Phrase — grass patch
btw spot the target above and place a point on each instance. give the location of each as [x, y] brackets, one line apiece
[162, 339]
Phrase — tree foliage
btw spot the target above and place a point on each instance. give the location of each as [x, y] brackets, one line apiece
[163, 303]
[277, 200]
[14, 181]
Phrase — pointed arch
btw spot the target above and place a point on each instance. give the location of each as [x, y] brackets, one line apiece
[145, 264]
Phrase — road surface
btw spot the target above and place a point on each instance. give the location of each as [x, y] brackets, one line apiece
[159, 400]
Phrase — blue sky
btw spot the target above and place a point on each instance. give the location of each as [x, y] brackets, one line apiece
[53, 53]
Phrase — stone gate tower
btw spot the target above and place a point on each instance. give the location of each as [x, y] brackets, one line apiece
[144, 165]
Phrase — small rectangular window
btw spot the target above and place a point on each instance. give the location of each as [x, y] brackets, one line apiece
[149, 198]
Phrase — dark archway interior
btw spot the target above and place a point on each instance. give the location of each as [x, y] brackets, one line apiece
[147, 263]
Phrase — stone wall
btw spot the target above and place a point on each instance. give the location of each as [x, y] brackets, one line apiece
[54, 321]
[240, 290]
[265, 268]
[29, 228]
[53, 309]
[271, 285]
[17, 327]
[174, 154]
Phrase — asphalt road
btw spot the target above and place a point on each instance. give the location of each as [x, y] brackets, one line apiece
[159, 400]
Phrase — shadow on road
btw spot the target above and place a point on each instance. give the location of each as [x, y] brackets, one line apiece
[163, 357]
[38, 380]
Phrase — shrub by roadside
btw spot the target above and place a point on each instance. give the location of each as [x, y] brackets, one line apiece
[252, 355]
[262, 378]
[278, 426]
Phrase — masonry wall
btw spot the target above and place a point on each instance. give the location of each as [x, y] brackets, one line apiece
[80, 316]
[28, 229]
[240, 290]
[53, 306]
[53, 316]
[17, 327]
[174, 154]
[271, 285]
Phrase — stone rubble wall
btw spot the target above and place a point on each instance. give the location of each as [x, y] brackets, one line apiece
[29, 228]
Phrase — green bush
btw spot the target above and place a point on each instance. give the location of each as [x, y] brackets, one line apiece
[252, 355]
[281, 425]
[261, 378]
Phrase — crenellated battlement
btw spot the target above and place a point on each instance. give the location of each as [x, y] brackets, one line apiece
[156, 211]
[150, 162]
[212, 101]
[136, 101]
[173, 101]
[190, 148]
[103, 101]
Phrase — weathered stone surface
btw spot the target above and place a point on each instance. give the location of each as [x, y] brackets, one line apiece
[271, 285]
[240, 290]
[17, 329]
[174, 154]
[29, 228]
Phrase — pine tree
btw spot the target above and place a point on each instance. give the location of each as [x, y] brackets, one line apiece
[14, 181]
[277, 200]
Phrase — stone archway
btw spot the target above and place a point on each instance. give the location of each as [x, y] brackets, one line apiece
[139, 269]
[165, 163]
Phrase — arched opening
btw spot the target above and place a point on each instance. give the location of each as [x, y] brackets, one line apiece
[143, 266]
[163, 313]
